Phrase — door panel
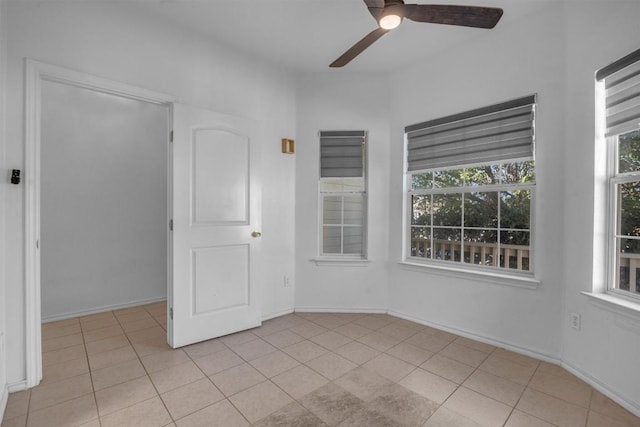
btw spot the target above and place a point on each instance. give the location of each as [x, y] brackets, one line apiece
[221, 157]
[216, 208]
[221, 278]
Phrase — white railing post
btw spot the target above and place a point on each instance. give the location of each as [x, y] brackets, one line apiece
[633, 264]
[482, 249]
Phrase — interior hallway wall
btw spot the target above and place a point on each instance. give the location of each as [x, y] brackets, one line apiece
[5, 172]
[103, 201]
[120, 42]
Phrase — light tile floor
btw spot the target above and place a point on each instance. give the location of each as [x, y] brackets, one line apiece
[303, 369]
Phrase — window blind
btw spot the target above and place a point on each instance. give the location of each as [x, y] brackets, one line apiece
[342, 154]
[622, 84]
[498, 132]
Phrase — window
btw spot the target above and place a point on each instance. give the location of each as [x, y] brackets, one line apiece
[625, 188]
[622, 103]
[342, 189]
[470, 181]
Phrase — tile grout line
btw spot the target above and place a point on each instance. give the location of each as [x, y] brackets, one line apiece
[224, 396]
[589, 407]
[159, 396]
[458, 386]
[143, 367]
[415, 367]
[228, 398]
[131, 344]
[60, 380]
[522, 394]
[269, 379]
[84, 343]
[300, 364]
[331, 351]
[26, 420]
[139, 358]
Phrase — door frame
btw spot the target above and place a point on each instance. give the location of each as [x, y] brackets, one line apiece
[35, 73]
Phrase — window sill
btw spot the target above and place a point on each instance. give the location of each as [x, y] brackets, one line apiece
[527, 282]
[341, 262]
[615, 304]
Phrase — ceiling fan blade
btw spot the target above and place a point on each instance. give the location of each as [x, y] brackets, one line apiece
[376, 7]
[467, 16]
[374, 3]
[357, 48]
[376, 12]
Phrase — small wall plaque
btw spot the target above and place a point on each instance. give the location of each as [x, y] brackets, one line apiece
[288, 146]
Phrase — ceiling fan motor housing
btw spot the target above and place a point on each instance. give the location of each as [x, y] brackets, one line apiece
[393, 7]
[390, 13]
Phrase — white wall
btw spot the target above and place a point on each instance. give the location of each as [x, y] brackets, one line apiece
[119, 42]
[4, 182]
[103, 201]
[554, 52]
[276, 104]
[598, 34]
[500, 65]
[341, 101]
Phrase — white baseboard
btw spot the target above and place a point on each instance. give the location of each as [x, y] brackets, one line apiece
[17, 386]
[277, 314]
[101, 309]
[555, 359]
[551, 358]
[629, 405]
[340, 310]
[626, 403]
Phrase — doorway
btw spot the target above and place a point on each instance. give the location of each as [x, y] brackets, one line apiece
[103, 201]
[37, 76]
[211, 282]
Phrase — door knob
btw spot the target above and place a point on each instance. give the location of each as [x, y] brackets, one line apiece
[256, 234]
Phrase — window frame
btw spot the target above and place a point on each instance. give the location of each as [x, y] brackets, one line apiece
[614, 179]
[496, 134]
[460, 265]
[616, 115]
[339, 258]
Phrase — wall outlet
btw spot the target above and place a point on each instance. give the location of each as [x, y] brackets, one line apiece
[574, 319]
[286, 282]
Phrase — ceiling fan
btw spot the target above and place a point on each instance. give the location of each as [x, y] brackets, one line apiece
[389, 15]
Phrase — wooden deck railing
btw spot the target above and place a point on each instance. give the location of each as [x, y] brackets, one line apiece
[632, 263]
[515, 257]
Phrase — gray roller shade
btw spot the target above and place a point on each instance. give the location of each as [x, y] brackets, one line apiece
[622, 83]
[342, 154]
[498, 132]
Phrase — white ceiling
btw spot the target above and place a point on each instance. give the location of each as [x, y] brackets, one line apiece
[307, 35]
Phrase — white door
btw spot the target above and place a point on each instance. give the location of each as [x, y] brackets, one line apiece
[216, 226]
